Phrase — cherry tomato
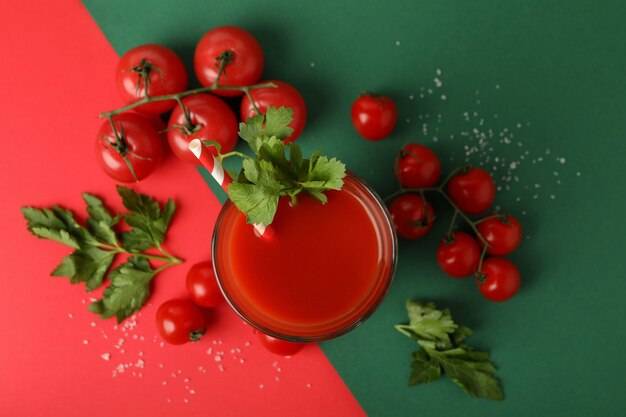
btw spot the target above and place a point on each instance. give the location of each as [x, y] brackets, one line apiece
[153, 66]
[239, 48]
[499, 279]
[211, 119]
[472, 190]
[458, 255]
[412, 216]
[417, 167]
[284, 95]
[180, 321]
[202, 285]
[134, 142]
[279, 346]
[374, 116]
[503, 233]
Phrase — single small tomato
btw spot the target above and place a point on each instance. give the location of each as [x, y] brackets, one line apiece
[498, 279]
[240, 51]
[374, 116]
[458, 255]
[472, 190]
[202, 285]
[210, 118]
[279, 346]
[180, 321]
[417, 166]
[503, 233]
[128, 147]
[412, 216]
[152, 70]
[283, 95]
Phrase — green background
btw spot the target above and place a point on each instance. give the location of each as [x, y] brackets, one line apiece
[542, 80]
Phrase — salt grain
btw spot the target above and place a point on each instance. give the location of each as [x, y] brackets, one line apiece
[106, 356]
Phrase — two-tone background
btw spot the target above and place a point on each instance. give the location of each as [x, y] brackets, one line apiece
[535, 91]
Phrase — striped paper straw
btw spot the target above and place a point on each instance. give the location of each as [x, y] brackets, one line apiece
[210, 162]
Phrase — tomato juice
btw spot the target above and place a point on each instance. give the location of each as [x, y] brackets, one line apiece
[323, 270]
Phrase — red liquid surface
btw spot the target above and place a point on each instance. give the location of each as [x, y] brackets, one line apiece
[318, 270]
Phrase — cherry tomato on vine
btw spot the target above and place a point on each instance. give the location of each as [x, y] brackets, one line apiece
[417, 166]
[472, 190]
[498, 280]
[180, 321]
[412, 216]
[154, 67]
[374, 116]
[284, 95]
[241, 52]
[279, 346]
[458, 255]
[202, 285]
[210, 118]
[502, 232]
[129, 148]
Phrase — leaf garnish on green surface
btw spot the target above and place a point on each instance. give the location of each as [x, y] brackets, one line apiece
[443, 353]
[95, 247]
[278, 168]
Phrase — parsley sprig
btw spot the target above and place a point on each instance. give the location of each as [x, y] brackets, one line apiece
[278, 168]
[443, 351]
[96, 245]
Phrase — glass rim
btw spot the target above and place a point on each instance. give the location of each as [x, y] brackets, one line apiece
[379, 293]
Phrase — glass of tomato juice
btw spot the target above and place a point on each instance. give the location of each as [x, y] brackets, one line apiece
[322, 271]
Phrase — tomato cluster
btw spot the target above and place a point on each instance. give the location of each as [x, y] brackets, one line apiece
[152, 81]
[471, 191]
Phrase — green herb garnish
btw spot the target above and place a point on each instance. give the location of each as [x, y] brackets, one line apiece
[443, 351]
[96, 246]
[270, 173]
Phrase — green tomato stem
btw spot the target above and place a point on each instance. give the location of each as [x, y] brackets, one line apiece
[178, 96]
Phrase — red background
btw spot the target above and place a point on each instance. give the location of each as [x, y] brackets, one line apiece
[57, 77]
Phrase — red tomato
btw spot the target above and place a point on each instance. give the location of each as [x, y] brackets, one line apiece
[163, 70]
[202, 285]
[284, 95]
[211, 118]
[180, 321]
[244, 53]
[417, 167]
[503, 233]
[472, 190]
[412, 216]
[279, 346]
[374, 116]
[135, 143]
[499, 279]
[458, 255]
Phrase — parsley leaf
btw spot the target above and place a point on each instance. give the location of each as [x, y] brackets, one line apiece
[442, 352]
[270, 174]
[259, 129]
[424, 370]
[45, 224]
[100, 221]
[88, 265]
[257, 202]
[95, 247]
[129, 289]
[148, 222]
